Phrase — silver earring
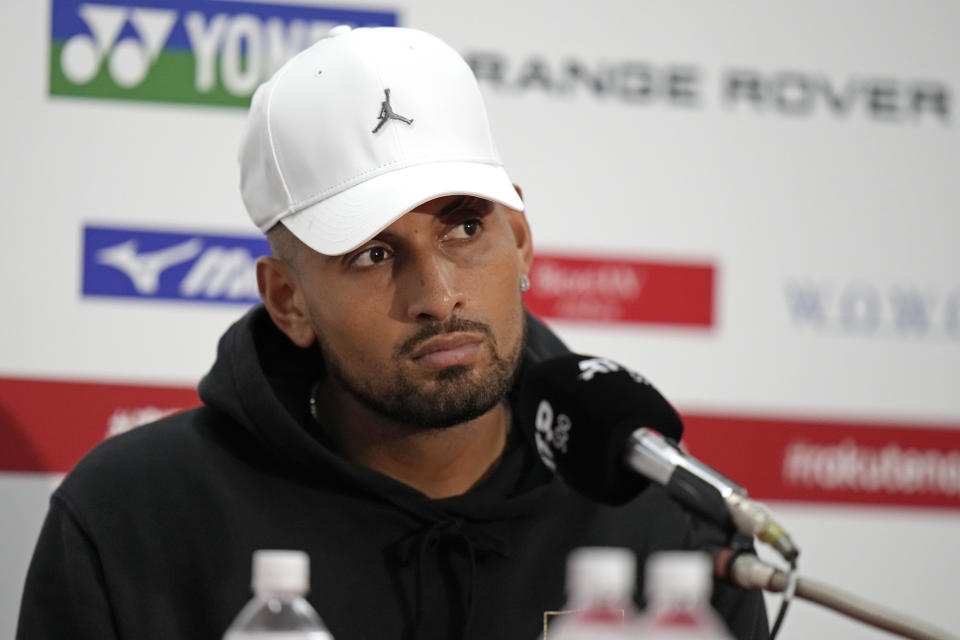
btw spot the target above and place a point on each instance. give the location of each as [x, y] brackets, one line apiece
[524, 283]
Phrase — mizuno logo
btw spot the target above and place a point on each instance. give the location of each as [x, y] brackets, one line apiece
[173, 266]
[144, 269]
[386, 113]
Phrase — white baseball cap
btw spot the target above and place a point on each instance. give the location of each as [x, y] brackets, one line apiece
[362, 127]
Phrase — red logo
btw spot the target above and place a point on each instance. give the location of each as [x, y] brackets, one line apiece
[48, 425]
[832, 461]
[621, 291]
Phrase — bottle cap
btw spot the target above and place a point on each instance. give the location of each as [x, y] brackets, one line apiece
[684, 575]
[278, 571]
[601, 574]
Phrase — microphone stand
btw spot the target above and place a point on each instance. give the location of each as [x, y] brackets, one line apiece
[719, 500]
[749, 571]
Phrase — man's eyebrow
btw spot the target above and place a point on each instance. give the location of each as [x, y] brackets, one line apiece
[466, 202]
[461, 202]
[384, 236]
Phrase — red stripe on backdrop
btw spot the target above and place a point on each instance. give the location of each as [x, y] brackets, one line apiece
[831, 461]
[48, 425]
[621, 291]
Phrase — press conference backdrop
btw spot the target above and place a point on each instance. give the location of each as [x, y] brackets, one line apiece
[755, 204]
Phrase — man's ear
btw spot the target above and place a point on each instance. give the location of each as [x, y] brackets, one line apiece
[283, 299]
[521, 233]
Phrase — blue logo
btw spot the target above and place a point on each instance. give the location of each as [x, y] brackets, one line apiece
[136, 263]
[184, 51]
[861, 308]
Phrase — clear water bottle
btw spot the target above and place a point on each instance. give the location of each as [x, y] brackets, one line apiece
[600, 586]
[678, 585]
[279, 610]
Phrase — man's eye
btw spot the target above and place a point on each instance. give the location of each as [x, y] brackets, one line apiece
[466, 229]
[370, 257]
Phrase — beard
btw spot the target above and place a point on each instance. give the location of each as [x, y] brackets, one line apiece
[454, 395]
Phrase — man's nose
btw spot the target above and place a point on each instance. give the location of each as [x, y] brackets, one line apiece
[431, 288]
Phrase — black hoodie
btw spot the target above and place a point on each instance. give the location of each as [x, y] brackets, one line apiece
[151, 535]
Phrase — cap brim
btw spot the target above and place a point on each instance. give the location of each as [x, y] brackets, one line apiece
[343, 222]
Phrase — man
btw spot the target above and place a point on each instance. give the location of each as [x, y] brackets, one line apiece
[365, 412]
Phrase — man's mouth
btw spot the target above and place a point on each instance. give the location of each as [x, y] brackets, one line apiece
[448, 350]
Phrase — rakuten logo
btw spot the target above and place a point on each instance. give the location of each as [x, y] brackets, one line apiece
[889, 469]
[833, 461]
[172, 266]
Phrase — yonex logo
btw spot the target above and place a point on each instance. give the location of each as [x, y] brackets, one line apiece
[189, 51]
[129, 57]
[172, 266]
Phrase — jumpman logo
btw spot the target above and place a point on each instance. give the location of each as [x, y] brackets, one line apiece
[386, 113]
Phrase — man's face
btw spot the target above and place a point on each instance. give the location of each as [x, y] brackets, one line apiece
[424, 323]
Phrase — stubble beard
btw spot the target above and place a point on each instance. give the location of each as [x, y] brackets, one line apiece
[453, 395]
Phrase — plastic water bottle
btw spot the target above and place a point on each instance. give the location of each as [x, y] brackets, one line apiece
[279, 610]
[678, 586]
[600, 586]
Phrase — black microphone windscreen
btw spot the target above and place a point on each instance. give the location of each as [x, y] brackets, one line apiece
[584, 410]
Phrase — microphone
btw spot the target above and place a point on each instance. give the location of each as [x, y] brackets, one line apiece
[608, 432]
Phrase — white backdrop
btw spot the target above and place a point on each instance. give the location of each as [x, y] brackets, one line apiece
[808, 151]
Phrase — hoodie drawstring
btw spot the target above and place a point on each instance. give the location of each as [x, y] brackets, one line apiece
[476, 542]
